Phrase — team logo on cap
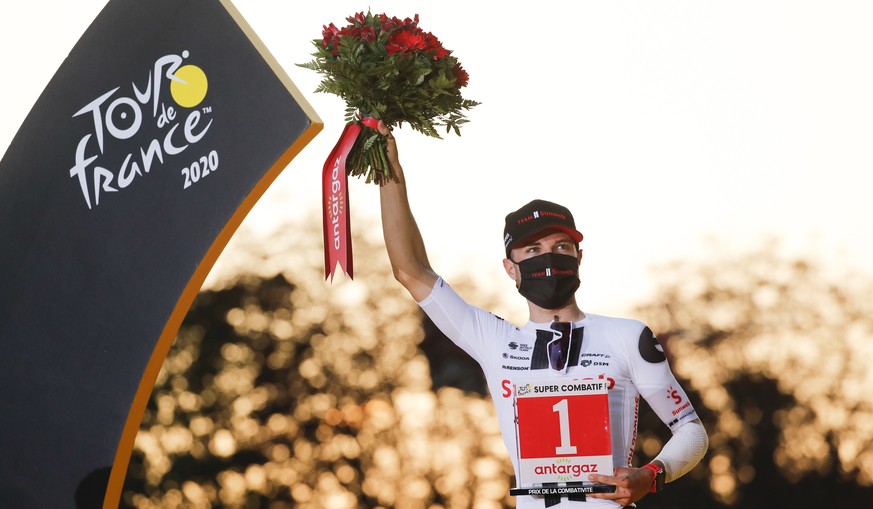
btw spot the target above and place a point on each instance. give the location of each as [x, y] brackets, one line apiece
[549, 213]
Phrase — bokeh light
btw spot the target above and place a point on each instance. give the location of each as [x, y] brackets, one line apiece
[282, 390]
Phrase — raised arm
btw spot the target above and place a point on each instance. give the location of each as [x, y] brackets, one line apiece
[402, 237]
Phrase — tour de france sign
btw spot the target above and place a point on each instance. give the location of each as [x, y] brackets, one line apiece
[153, 140]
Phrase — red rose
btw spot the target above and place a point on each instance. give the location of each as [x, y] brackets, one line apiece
[433, 45]
[358, 19]
[405, 41]
[366, 33]
[388, 24]
[329, 34]
[395, 23]
[460, 75]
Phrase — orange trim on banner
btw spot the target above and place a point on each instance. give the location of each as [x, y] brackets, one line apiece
[183, 305]
[147, 383]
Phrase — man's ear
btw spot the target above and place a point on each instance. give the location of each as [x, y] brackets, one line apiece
[509, 267]
[579, 257]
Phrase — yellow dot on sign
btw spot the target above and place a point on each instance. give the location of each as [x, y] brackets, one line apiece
[189, 92]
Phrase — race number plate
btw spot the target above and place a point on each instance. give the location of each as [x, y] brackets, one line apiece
[563, 430]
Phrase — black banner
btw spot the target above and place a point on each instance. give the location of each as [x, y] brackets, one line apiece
[156, 136]
[569, 488]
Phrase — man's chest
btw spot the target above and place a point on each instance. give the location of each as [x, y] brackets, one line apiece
[528, 353]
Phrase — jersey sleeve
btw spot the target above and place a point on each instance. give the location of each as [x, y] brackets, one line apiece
[651, 373]
[473, 329]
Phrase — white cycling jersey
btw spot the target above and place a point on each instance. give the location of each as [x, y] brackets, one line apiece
[624, 352]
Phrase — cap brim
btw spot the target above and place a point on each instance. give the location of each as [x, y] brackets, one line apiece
[574, 234]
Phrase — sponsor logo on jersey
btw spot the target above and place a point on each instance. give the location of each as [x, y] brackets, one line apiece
[683, 407]
[650, 350]
[515, 357]
[633, 440]
[520, 347]
[516, 368]
[681, 417]
[585, 362]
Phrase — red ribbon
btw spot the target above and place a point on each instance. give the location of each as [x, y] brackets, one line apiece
[335, 196]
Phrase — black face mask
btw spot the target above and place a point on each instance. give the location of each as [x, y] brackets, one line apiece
[549, 280]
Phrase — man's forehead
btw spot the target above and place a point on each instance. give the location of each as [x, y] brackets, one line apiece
[552, 233]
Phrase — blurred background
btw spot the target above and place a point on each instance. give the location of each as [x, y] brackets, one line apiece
[282, 390]
[717, 159]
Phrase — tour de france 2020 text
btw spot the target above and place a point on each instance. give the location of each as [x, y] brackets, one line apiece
[199, 169]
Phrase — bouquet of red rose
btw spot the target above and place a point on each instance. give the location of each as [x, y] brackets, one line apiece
[389, 69]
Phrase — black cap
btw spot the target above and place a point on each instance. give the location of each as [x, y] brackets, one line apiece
[537, 216]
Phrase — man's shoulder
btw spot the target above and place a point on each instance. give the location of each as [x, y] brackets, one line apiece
[615, 324]
[443, 293]
[629, 335]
